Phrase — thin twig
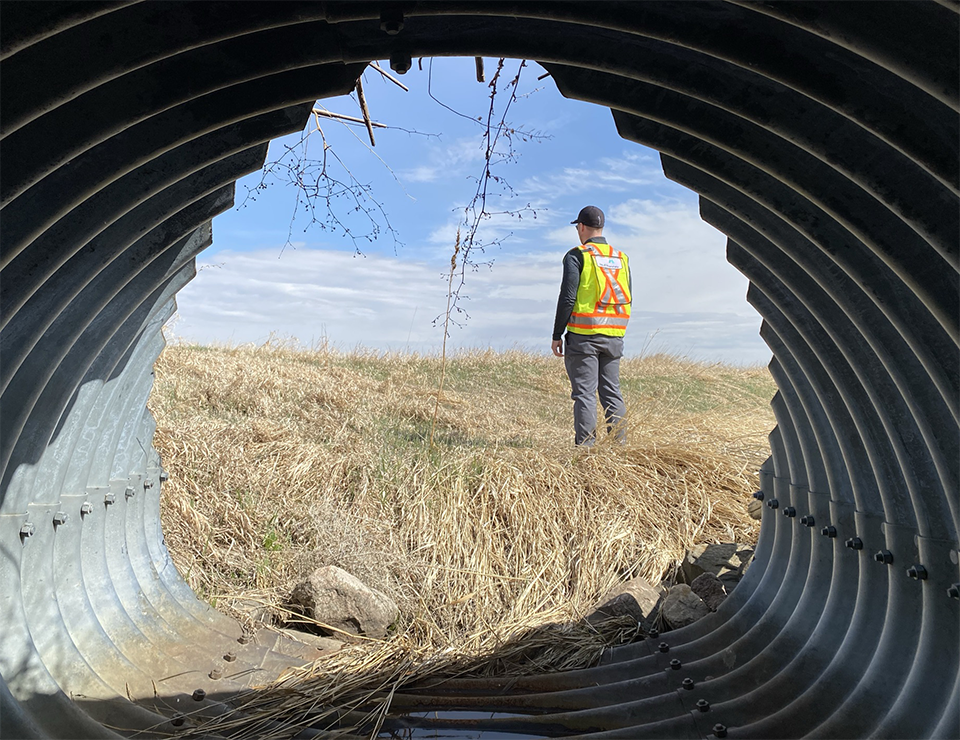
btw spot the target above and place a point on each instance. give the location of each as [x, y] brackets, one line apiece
[446, 333]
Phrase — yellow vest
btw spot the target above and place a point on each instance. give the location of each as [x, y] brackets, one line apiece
[603, 296]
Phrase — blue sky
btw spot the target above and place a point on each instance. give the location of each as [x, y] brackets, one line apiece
[271, 272]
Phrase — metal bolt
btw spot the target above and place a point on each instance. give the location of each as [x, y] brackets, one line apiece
[400, 62]
[687, 683]
[129, 493]
[720, 730]
[954, 591]
[230, 657]
[164, 476]
[917, 572]
[773, 503]
[675, 664]
[391, 22]
[86, 508]
[60, 518]
[216, 674]
[177, 720]
[654, 633]
[884, 556]
[703, 705]
[109, 499]
[829, 531]
[27, 530]
[758, 495]
[663, 647]
[808, 520]
[790, 511]
[147, 485]
[243, 639]
[199, 695]
[854, 543]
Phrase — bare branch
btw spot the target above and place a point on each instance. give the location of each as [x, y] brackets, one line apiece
[342, 117]
[365, 110]
[390, 77]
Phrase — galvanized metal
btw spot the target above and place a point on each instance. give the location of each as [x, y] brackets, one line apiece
[823, 140]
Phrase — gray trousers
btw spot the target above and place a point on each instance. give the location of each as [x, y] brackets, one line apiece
[593, 365]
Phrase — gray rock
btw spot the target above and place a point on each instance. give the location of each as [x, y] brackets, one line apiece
[682, 607]
[710, 589]
[336, 599]
[635, 598]
[715, 559]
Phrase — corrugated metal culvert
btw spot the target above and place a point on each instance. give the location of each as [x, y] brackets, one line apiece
[822, 138]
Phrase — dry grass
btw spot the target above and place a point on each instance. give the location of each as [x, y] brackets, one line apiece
[281, 460]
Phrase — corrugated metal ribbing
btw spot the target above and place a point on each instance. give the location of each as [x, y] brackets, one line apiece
[823, 140]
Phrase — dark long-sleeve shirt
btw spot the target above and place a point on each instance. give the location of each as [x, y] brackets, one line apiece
[569, 284]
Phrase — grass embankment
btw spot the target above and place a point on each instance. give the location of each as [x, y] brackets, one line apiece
[281, 460]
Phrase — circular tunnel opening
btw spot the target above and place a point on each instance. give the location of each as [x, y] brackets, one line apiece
[283, 459]
[822, 139]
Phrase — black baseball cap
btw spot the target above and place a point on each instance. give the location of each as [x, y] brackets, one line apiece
[590, 216]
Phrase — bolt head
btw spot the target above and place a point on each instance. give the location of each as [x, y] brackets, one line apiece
[243, 639]
[829, 531]
[177, 720]
[86, 508]
[147, 485]
[400, 62]
[675, 664]
[954, 591]
[773, 503]
[216, 674]
[663, 647]
[230, 657]
[27, 530]
[164, 476]
[60, 518]
[884, 556]
[808, 520]
[391, 22]
[654, 633]
[917, 572]
[758, 495]
[129, 492]
[687, 683]
[790, 511]
[199, 695]
[109, 499]
[854, 543]
[720, 730]
[703, 705]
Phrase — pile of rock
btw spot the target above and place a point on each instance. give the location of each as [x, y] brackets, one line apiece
[707, 574]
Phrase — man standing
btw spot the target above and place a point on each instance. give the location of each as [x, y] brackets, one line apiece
[594, 307]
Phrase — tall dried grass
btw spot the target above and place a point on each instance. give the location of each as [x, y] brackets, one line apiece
[281, 460]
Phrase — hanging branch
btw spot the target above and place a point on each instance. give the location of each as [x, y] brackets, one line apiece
[365, 110]
[326, 189]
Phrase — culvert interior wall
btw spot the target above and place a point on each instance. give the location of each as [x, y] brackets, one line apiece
[822, 138]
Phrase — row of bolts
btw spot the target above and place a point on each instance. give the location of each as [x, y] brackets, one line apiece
[61, 517]
[917, 571]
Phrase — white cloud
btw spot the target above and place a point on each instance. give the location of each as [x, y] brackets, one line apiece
[457, 159]
[620, 174]
[390, 303]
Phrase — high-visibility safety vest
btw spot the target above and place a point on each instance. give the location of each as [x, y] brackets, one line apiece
[603, 296]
